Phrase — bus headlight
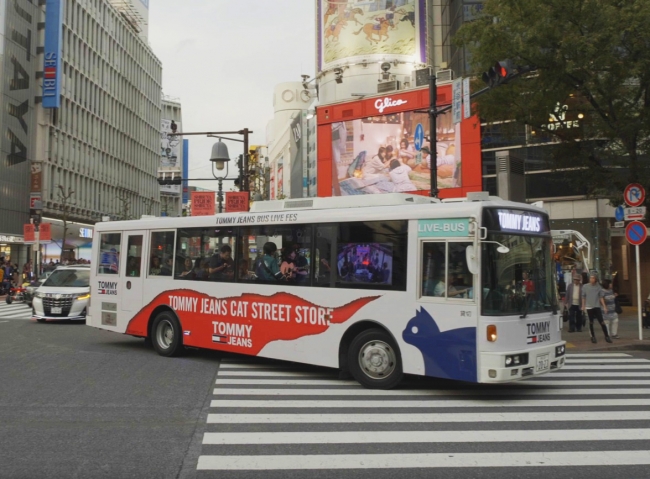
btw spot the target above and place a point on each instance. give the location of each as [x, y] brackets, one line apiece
[492, 333]
[516, 360]
[560, 350]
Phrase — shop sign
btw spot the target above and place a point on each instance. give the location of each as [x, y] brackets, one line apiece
[11, 239]
[382, 103]
[86, 233]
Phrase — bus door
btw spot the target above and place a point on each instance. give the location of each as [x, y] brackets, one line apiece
[447, 308]
[132, 273]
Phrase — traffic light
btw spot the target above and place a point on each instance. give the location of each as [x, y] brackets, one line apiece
[166, 178]
[499, 74]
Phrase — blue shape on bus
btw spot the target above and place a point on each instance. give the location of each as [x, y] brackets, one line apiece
[450, 355]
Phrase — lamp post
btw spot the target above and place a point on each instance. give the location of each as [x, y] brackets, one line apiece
[220, 160]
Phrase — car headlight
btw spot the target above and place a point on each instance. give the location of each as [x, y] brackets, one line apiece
[82, 297]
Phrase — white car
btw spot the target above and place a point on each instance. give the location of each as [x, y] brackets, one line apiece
[63, 295]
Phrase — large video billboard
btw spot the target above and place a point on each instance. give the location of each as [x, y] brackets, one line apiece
[170, 154]
[380, 154]
[352, 31]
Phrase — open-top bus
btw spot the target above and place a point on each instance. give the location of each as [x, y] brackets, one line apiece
[377, 286]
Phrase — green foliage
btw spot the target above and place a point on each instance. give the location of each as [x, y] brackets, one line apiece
[592, 55]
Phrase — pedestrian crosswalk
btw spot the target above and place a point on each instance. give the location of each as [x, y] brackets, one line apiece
[272, 419]
[15, 311]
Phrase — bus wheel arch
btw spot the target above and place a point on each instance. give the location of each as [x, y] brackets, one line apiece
[360, 335]
[164, 332]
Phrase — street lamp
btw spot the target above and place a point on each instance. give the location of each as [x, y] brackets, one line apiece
[220, 160]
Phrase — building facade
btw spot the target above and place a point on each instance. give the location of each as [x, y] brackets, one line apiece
[103, 140]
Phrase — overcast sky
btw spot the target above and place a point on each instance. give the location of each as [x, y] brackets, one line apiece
[222, 58]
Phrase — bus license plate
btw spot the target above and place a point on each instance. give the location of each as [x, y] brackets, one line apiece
[57, 310]
[542, 363]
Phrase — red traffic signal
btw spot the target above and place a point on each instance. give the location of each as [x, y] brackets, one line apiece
[498, 74]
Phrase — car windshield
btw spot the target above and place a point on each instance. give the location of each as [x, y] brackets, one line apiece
[520, 281]
[72, 278]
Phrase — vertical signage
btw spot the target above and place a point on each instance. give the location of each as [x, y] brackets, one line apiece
[29, 233]
[457, 100]
[52, 54]
[467, 105]
[237, 201]
[45, 232]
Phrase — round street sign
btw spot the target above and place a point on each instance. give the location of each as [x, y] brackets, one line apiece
[636, 233]
[634, 194]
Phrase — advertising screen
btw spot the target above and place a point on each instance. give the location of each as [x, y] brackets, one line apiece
[350, 30]
[386, 154]
[365, 263]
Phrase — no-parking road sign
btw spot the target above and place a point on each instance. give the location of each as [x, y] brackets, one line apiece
[634, 194]
[636, 233]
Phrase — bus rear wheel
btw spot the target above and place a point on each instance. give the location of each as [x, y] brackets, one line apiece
[374, 360]
[166, 334]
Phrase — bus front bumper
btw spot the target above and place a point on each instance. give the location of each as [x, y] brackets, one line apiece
[514, 365]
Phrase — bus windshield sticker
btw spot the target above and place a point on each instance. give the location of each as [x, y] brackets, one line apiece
[443, 228]
[246, 323]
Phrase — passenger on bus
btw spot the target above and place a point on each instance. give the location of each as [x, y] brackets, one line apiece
[221, 264]
[200, 272]
[188, 269]
[244, 273]
[155, 268]
[133, 266]
[167, 267]
[266, 267]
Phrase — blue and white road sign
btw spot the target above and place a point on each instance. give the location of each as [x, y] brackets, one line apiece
[418, 137]
[619, 213]
[636, 233]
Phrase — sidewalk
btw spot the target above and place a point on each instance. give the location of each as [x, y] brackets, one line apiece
[628, 333]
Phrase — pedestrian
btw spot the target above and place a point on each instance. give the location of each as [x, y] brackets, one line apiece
[608, 300]
[591, 304]
[572, 301]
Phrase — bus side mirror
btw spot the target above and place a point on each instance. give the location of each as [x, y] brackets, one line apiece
[471, 259]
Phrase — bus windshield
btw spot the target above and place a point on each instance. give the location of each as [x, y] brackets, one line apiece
[520, 281]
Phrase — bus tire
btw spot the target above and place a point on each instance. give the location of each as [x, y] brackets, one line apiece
[41, 320]
[8, 299]
[167, 337]
[374, 360]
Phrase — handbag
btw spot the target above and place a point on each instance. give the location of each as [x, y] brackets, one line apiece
[617, 306]
[565, 315]
[584, 319]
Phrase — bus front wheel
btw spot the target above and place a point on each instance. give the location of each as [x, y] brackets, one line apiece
[374, 360]
[166, 335]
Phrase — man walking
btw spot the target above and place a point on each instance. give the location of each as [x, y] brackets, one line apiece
[591, 294]
[573, 299]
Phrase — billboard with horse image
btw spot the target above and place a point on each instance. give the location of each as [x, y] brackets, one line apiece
[351, 30]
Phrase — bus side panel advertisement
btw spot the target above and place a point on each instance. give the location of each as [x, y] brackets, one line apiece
[247, 323]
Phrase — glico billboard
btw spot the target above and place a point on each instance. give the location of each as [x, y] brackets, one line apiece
[380, 145]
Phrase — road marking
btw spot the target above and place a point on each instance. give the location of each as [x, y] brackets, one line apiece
[297, 374]
[429, 392]
[407, 461]
[393, 437]
[4, 321]
[459, 403]
[602, 374]
[606, 361]
[597, 355]
[605, 366]
[228, 366]
[419, 417]
[339, 382]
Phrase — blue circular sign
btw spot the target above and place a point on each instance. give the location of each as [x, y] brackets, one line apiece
[619, 214]
[418, 137]
[636, 232]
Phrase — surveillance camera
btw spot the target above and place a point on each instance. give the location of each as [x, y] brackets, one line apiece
[385, 66]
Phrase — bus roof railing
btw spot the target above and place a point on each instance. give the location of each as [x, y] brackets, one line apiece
[355, 201]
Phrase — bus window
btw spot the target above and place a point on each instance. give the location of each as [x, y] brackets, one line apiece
[276, 253]
[161, 262]
[325, 250]
[372, 254]
[444, 271]
[109, 253]
[134, 256]
[199, 255]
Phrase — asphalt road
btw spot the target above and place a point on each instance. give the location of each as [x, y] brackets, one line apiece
[76, 402]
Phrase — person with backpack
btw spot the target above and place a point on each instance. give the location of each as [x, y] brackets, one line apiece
[267, 267]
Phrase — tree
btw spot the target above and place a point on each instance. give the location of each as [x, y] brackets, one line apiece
[64, 200]
[592, 60]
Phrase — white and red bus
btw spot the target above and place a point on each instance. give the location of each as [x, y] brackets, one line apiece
[378, 286]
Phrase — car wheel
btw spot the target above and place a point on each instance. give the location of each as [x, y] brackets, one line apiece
[41, 320]
[375, 360]
[166, 334]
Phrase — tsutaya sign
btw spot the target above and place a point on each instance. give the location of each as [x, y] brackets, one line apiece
[382, 103]
[454, 227]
